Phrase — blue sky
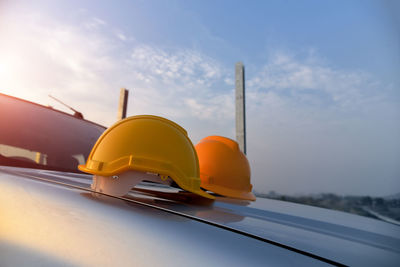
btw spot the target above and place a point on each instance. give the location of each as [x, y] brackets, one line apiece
[322, 77]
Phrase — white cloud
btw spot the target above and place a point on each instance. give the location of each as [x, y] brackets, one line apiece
[67, 61]
[94, 23]
[86, 66]
[229, 81]
[312, 82]
[181, 67]
[121, 36]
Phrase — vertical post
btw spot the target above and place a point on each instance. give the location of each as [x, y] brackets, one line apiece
[240, 107]
[123, 103]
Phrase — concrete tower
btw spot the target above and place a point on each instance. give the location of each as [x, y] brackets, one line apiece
[240, 107]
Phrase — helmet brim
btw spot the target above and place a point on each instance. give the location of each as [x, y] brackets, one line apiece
[227, 192]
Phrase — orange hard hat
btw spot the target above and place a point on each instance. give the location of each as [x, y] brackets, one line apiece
[224, 169]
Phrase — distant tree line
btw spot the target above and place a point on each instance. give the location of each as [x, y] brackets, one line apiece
[361, 205]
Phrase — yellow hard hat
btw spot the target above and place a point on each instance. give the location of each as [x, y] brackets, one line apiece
[148, 144]
[224, 169]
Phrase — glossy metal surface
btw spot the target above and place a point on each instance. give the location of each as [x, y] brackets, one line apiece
[345, 238]
[50, 224]
[340, 237]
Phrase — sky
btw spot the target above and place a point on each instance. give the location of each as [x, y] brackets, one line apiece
[322, 78]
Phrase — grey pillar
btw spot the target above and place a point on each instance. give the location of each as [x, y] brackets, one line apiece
[240, 107]
[123, 104]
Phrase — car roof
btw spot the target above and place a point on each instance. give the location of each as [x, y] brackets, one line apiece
[47, 224]
[328, 236]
